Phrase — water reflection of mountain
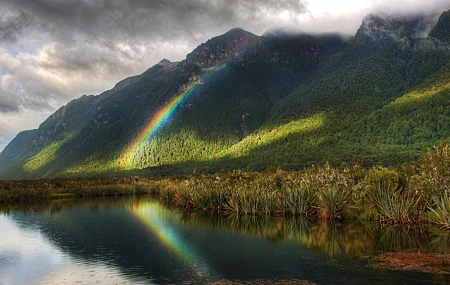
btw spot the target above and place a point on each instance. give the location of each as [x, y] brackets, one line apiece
[105, 230]
[141, 237]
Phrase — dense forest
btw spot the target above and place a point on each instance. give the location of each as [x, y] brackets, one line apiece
[250, 102]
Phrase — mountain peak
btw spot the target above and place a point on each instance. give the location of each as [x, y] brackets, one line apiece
[164, 62]
[442, 29]
[386, 27]
[236, 30]
[219, 48]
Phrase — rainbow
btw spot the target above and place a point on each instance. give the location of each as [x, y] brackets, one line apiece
[158, 121]
[163, 116]
[155, 217]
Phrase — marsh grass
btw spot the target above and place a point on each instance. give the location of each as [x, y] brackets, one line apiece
[333, 202]
[408, 194]
[404, 195]
[440, 211]
[40, 189]
[22, 194]
[296, 199]
[395, 206]
[207, 198]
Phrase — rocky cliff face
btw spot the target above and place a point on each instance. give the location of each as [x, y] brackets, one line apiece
[222, 47]
[385, 28]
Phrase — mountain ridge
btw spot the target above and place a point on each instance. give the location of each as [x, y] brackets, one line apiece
[246, 101]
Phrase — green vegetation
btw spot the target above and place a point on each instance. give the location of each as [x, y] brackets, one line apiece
[441, 211]
[39, 189]
[46, 155]
[410, 193]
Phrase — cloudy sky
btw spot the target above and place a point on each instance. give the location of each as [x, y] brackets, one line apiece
[52, 51]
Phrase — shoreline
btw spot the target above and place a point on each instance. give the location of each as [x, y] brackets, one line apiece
[326, 193]
[411, 193]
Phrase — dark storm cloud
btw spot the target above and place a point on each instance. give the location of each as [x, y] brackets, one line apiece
[13, 26]
[157, 19]
[108, 40]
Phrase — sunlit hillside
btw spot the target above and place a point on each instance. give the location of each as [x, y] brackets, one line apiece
[250, 102]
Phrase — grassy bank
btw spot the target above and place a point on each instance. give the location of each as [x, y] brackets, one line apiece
[39, 189]
[409, 193]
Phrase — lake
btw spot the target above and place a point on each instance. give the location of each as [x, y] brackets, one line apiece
[140, 240]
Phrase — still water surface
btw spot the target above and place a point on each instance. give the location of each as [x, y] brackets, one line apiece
[142, 241]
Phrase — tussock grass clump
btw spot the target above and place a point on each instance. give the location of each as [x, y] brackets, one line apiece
[253, 199]
[441, 211]
[394, 204]
[332, 190]
[296, 198]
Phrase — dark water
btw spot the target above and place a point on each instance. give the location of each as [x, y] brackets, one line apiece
[141, 241]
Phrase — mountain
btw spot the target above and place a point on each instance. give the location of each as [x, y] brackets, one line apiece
[442, 29]
[246, 101]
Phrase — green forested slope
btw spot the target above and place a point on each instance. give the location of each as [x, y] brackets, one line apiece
[280, 99]
[397, 127]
